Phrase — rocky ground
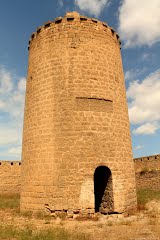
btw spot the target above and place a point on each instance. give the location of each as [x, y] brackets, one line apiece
[144, 225]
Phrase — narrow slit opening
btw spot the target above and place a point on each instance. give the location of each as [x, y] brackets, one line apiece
[94, 20]
[47, 25]
[58, 21]
[112, 31]
[32, 36]
[38, 31]
[100, 99]
[82, 19]
[105, 25]
[69, 19]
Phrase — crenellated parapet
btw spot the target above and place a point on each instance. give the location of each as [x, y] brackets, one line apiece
[73, 20]
[10, 163]
[10, 177]
[147, 163]
[76, 125]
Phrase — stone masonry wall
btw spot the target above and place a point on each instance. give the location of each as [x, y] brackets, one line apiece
[148, 172]
[10, 177]
[76, 117]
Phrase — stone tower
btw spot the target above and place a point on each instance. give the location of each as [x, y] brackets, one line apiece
[76, 141]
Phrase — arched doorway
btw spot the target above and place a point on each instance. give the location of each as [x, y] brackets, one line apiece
[103, 190]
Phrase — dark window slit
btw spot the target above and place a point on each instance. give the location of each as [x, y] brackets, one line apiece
[112, 30]
[105, 25]
[94, 20]
[32, 36]
[47, 25]
[38, 30]
[58, 21]
[117, 36]
[100, 99]
[70, 19]
[83, 19]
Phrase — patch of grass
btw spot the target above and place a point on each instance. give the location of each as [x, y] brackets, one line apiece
[144, 170]
[145, 195]
[43, 216]
[9, 201]
[9, 232]
[26, 214]
[109, 223]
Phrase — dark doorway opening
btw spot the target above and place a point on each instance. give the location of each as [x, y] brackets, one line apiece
[103, 190]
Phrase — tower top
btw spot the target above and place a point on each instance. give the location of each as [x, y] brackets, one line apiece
[72, 14]
[73, 18]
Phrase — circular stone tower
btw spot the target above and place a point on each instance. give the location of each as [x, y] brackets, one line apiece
[76, 142]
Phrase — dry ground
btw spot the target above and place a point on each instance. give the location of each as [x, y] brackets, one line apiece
[144, 225]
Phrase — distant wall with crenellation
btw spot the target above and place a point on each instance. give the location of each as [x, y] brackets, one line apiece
[148, 172]
[10, 177]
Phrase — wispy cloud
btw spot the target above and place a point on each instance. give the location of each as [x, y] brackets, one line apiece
[139, 147]
[139, 22]
[12, 89]
[60, 3]
[146, 129]
[15, 151]
[93, 7]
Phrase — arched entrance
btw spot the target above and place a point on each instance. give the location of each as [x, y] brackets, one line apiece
[103, 190]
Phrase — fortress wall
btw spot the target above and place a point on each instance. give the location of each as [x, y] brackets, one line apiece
[76, 117]
[10, 175]
[147, 174]
[149, 180]
[148, 163]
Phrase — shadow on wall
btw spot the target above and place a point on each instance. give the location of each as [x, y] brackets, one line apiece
[103, 190]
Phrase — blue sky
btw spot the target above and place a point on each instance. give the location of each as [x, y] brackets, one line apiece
[137, 22]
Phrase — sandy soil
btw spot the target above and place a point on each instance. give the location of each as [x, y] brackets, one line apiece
[144, 225]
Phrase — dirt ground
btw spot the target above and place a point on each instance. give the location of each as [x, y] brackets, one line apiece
[144, 225]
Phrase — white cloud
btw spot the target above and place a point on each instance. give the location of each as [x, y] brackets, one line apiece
[146, 56]
[6, 84]
[131, 74]
[128, 75]
[2, 104]
[139, 147]
[22, 85]
[139, 22]
[12, 91]
[144, 99]
[8, 135]
[93, 7]
[15, 151]
[144, 103]
[146, 129]
[60, 2]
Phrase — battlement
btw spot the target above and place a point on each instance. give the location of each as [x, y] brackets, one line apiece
[75, 19]
[152, 157]
[147, 163]
[10, 163]
[10, 177]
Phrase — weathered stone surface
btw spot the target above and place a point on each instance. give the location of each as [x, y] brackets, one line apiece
[10, 177]
[76, 118]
